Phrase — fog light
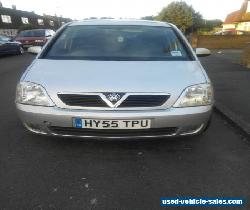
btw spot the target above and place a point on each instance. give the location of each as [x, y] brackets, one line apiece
[35, 128]
[190, 130]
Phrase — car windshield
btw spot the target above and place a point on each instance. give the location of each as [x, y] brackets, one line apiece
[4, 38]
[117, 43]
[32, 33]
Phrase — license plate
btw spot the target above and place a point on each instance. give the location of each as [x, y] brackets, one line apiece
[111, 124]
[27, 45]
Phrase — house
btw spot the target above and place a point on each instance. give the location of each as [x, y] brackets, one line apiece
[239, 21]
[12, 19]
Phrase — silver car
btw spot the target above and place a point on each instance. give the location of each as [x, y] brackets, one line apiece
[116, 79]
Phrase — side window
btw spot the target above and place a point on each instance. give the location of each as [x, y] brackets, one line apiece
[6, 19]
[51, 23]
[25, 20]
[40, 22]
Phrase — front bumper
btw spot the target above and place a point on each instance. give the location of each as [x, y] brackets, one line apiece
[170, 122]
[27, 45]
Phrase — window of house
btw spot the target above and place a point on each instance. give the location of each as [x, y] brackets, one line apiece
[25, 20]
[6, 18]
[51, 23]
[40, 22]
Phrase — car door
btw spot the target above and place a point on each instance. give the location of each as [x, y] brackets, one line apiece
[2, 46]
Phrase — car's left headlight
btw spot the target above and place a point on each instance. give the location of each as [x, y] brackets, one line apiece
[196, 95]
[32, 94]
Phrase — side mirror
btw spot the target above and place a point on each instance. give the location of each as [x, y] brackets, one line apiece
[202, 52]
[35, 49]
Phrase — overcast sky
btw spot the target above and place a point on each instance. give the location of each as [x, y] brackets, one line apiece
[79, 9]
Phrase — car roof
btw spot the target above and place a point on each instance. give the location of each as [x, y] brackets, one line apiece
[120, 22]
[38, 29]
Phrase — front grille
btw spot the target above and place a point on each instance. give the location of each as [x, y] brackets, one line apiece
[82, 100]
[113, 133]
[132, 101]
[144, 101]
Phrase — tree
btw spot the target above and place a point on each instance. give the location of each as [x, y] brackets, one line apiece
[180, 14]
[197, 20]
[209, 26]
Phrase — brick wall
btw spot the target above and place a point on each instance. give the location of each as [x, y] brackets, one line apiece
[221, 42]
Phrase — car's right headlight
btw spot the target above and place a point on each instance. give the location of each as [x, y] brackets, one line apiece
[32, 94]
[196, 95]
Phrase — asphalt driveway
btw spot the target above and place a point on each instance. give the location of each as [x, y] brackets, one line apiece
[45, 173]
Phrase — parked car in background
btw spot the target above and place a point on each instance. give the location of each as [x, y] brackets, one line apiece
[36, 37]
[7, 46]
[225, 32]
[232, 32]
[116, 79]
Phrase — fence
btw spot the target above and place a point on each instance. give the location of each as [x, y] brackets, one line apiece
[221, 42]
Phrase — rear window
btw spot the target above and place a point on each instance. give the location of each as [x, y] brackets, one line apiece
[117, 43]
[32, 33]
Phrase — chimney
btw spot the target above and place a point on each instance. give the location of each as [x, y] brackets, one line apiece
[13, 6]
[1, 5]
